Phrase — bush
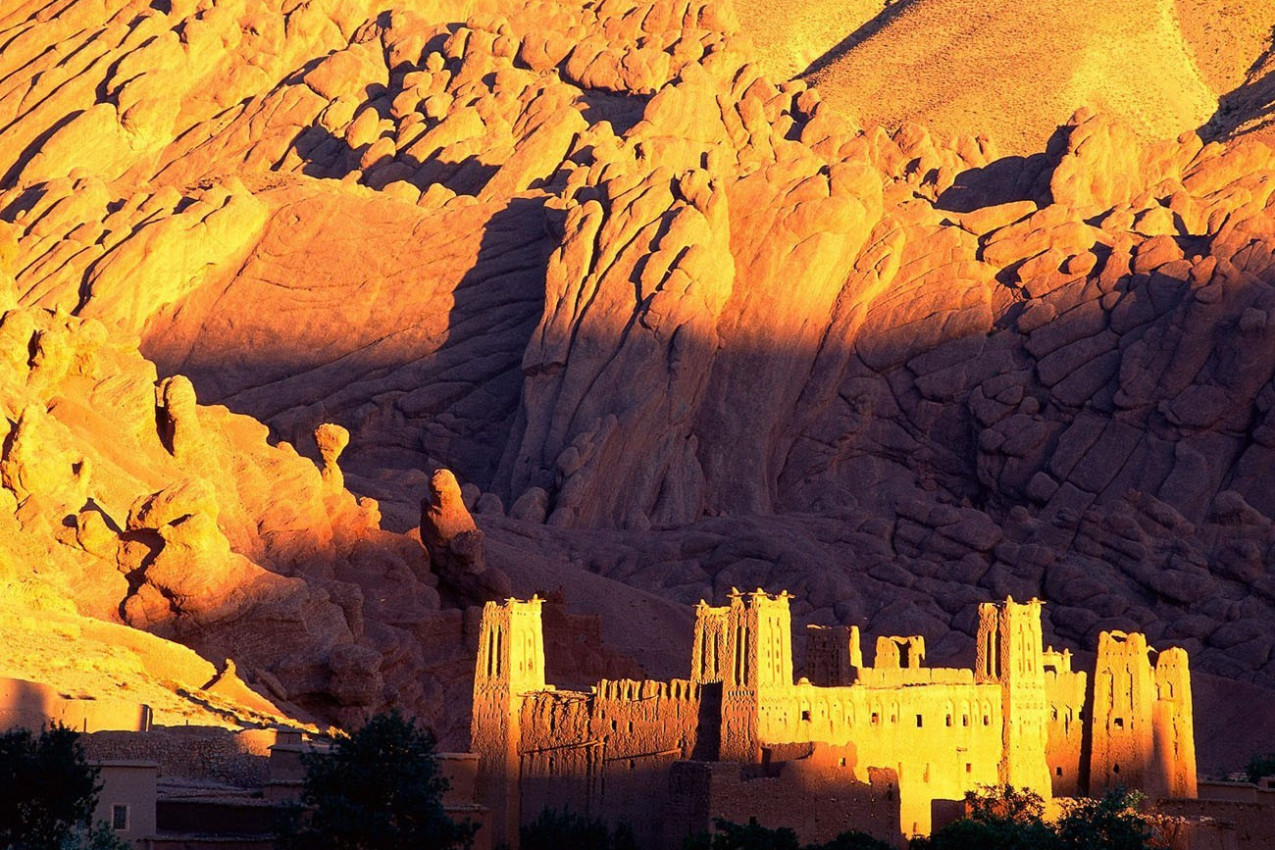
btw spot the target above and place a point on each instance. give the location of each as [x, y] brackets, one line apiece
[1000, 818]
[48, 792]
[753, 836]
[1260, 767]
[379, 789]
[1109, 823]
[557, 830]
[1005, 818]
[853, 840]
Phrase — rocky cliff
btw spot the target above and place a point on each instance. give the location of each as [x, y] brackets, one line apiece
[675, 323]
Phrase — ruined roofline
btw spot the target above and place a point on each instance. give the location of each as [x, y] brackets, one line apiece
[746, 596]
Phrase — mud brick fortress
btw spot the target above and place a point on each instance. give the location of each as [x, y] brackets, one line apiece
[880, 748]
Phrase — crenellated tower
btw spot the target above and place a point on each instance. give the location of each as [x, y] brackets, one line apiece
[511, 664]
[1173, 723]
[709, 654]
[1010, 652]
[1123, 738]
[757, 673]
[1143, 735]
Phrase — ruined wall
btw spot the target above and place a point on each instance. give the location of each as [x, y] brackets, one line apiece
[232, 757]
[941, 740]
[1248, 811]
[607, 754]
[32, 705]
[832, 655]
[1065, 693]
[899, 652]
[817, 796]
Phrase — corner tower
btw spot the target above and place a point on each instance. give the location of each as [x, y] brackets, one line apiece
[511, 663]
[1173, 724]
[1010, 652]
[1143, 734]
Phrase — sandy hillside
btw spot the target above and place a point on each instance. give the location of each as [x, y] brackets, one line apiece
[48, 642]
[790, 35]
[1015, 71]
[1225, 37]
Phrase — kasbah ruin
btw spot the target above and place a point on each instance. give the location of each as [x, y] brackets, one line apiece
[887, 749]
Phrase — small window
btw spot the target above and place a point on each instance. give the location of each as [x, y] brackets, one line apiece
[876, 719]
[947, 721]
[1058, 771]
[965, 720]
[969, 767]
[842, 762]
[987, 721]
[919, 721]
[1119, 722]
[119, 818]
[1115, 768]
[805, 715]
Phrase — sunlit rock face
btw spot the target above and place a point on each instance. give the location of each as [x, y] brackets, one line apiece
[674, 322]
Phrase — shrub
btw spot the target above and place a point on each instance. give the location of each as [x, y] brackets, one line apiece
[379, 789]
[48, 792]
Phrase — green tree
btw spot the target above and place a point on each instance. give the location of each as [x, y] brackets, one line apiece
[48, 792]
[750, 836]
[1260, 766]
[378, 789]
[753, 836]
[1000, 817]
[555, 830]
[1111, 822]
[852, 840]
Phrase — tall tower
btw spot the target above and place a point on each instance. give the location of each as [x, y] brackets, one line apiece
[1122, 734]
[511, 663]
[1010, 652]
[709, 658]
[1173, 724]
[757, 674]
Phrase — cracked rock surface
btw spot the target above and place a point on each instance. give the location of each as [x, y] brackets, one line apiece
[673, 324]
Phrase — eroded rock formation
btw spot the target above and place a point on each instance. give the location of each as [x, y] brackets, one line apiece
[692, 326]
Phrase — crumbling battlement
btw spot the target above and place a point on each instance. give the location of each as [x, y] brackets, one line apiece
[1020, 716]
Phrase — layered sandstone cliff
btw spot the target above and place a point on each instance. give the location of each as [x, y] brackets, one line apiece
[677, 324]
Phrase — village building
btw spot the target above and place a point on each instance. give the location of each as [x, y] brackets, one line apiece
[198, 787]
[878, 748]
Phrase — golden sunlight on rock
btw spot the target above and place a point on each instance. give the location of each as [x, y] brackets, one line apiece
[327, 330]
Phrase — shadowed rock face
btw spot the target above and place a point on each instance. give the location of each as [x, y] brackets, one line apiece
[692, 327]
